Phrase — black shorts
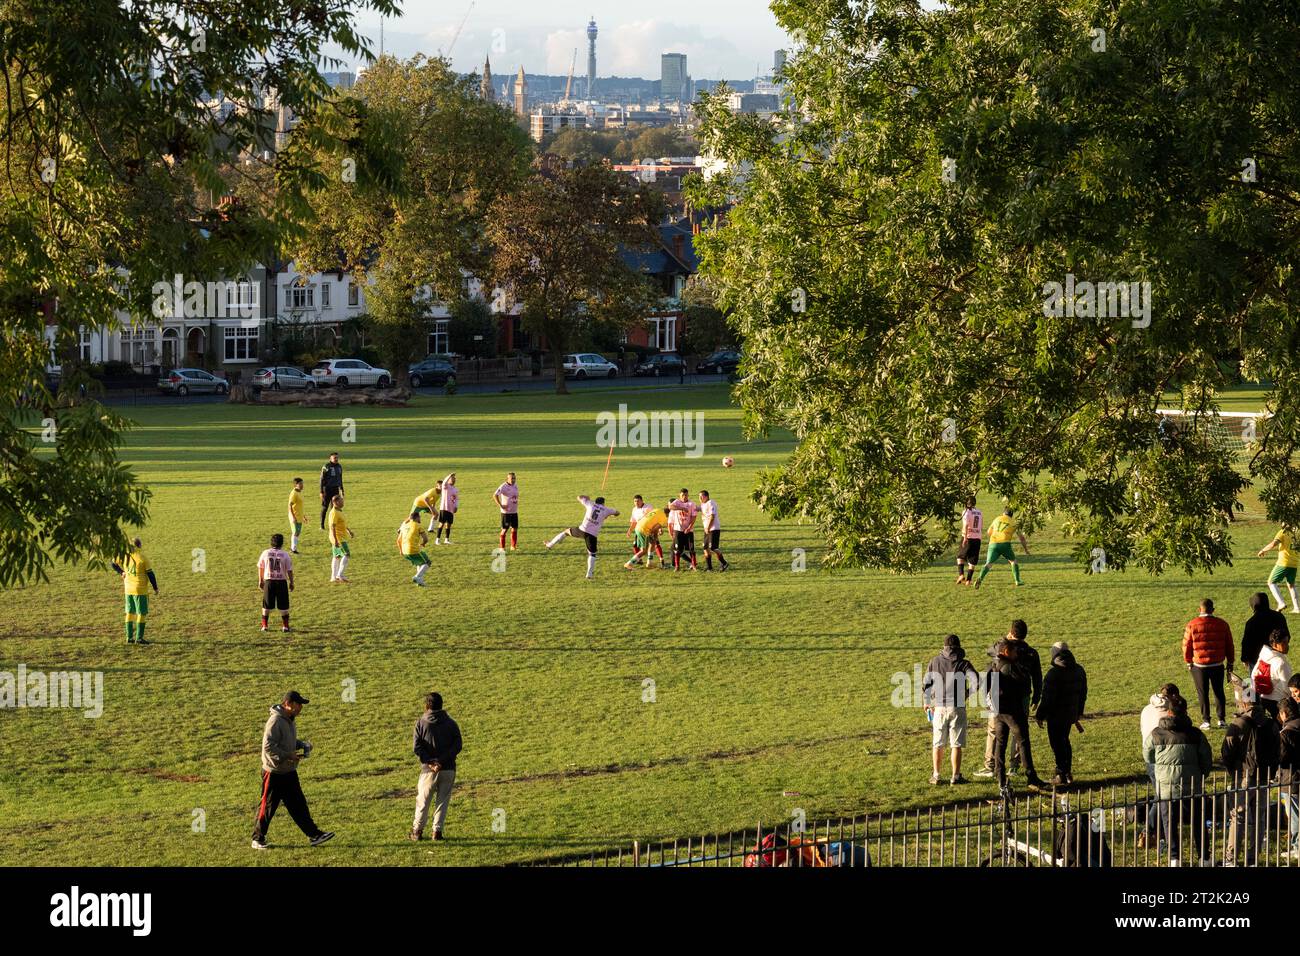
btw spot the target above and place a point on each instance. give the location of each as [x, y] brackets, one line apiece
[711, 539]
[970, 551]
[590, 539]
[684, 541]
[446, 517]
[276, 595]
[510, 521]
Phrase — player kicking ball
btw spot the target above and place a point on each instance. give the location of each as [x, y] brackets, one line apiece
[588, 530]
[275, 581]
[1001, 532]
[1285, 569]
[972, 533]
[340, 533]
[411, 542]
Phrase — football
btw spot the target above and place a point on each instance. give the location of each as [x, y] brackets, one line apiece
[728, 462]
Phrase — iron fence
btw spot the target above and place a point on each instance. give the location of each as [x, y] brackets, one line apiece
[1121, 824]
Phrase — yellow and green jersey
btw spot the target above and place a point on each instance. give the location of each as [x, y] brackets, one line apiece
[1286, 555]
[296, 505]
[652, 522]
[337, 526]
[411, 535]
[135, 573]
[1002, 530]
[428, 501]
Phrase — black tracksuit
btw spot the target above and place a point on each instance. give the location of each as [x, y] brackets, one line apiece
[283, 788]
[331, 484]
[1065, 693]
[1261, 623]
[1014, 683]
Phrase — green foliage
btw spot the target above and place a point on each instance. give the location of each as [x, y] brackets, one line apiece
[470, 318]
[889, 257]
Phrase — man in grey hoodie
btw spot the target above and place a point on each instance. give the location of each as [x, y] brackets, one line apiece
[280, 746]
[950, 681]
[437, 742]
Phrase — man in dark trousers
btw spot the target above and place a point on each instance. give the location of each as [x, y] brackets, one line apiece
[437, 742]
[1262, 622]
[1065, 693]
[1009, 685]
[331, 485]
[1208, 651]
[1019, 631]
[1250, 755]
[1183, 760]
[280, 746]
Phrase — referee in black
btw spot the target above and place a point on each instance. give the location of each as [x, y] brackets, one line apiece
[331, 484]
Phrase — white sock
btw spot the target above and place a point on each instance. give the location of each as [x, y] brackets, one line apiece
[1294, 604]
[556, 540]
[591, 565]
[294, 545]
[419, 573]
[343, 565]
[1277, 595]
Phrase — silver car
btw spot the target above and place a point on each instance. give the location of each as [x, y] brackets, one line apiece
[183, 381]
[282, 376]
[588, 365]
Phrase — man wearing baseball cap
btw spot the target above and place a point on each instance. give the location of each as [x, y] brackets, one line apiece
[280, 746]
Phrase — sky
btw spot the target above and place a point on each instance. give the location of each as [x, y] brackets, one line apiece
[721, 38]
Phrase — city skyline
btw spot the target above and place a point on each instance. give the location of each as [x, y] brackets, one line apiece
[732, 39]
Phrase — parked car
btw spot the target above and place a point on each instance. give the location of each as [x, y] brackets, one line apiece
[432, 371]
[721, 362]
[665, 363]
[282, 376]
[182, 381]
[588, 365]
[346, 373]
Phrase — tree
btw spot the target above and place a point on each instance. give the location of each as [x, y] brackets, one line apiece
[892, 254]
[112, 160]
[661, 141]
[414, 231]
[472, 329]
[557, 248]
[706, 325]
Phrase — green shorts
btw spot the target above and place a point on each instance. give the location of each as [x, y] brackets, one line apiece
[419, 560]
[1001, 550]
[1282, 573]
[137, 606]
[297, 527]
[341, 550]
[642, 541]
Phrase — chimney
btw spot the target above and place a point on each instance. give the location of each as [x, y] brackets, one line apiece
[679, 246]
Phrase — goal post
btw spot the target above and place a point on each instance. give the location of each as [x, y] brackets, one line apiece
[1233, 431]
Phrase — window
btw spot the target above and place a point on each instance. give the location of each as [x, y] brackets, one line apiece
[138, 347]
[663, 333]
[299, 296]
[84, 346]
[324, 295]
[354, 294]
[439, 341]
[240, 297]
[241, 344]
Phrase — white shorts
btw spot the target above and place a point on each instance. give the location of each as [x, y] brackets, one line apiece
[949, 727]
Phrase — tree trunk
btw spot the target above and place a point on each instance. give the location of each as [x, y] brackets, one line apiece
[561, 386]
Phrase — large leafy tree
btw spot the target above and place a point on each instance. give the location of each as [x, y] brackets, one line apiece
[413, 226]
[112, 162]
[889, 256]
[558, 246]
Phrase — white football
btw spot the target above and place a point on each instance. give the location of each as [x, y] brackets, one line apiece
[728, 462]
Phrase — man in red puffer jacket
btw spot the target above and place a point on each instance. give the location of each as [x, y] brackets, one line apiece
[1207, 649]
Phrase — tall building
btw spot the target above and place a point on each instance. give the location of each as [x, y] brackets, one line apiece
[591, 59]
[672, 78]
[778, 62]
[521, 94]
[485, 90]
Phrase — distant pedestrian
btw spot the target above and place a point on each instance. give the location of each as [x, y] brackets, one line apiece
[1208, 652]
[1065, 694]
[950, 681]
[1250, 755]
[1262, 622]
[1272, 672]
[437, 743]
[1183, 760]
[280, 784]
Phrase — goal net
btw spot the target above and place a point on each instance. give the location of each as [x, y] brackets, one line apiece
[1232, 431]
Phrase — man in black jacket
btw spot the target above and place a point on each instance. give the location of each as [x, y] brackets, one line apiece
[331, 485]
[1019, 631]
[1262, 622]
[1065, 693]
[1009, 683]
[1250, 754]
[1288, 770]
[437, 742]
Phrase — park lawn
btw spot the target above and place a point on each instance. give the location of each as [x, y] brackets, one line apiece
[772, 690]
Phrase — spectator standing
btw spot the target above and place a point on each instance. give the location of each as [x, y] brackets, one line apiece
[280, 784]
[950, 680]
[1150, 719]
[1262, 622]
[1009, 679]
[1288, 773]
[1065, 694]
[1182, 759]
[1019, 631]
[437, 742]
[1272, 672]
[1250, 755]
[1208, 652]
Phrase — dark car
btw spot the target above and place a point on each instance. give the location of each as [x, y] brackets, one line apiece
[662, 364]
[721, 362]
[432, 371]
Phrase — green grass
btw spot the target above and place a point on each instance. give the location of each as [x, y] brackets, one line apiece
[766, 681]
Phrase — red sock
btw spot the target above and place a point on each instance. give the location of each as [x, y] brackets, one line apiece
[514, 537]
[284, 619]
[502, 538]
[264, 617]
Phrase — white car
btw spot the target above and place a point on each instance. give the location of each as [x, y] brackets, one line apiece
[346, 373]
[588, 365]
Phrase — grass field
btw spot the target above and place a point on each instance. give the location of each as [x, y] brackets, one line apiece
[766, 682]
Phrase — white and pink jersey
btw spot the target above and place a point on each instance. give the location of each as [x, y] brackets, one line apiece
[709, 512]
[595, 516]
[449, 500]
[639, 512]
[511, 495]
[681, 517]
[275, 564]
[972, 523]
